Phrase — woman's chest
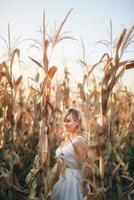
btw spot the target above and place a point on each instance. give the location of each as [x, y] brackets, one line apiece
[66, 151]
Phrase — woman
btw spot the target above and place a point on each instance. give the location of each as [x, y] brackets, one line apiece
[73, 151]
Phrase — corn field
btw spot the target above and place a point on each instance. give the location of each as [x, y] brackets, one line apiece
[31, 123]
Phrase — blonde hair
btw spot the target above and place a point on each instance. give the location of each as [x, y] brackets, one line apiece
[76, 116]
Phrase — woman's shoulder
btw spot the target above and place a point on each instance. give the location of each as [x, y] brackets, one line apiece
[79, 138]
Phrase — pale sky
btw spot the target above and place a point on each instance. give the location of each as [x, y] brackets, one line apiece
[89, 21]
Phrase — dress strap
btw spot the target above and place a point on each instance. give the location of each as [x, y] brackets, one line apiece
[79, 138]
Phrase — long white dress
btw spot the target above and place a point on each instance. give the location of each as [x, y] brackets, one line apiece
[69, 186]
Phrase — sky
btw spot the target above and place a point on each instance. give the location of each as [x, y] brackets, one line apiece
[88, 21]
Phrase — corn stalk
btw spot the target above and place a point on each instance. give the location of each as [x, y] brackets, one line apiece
[44, 110]
[113, 70]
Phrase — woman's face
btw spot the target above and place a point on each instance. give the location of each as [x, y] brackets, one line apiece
[71, 125]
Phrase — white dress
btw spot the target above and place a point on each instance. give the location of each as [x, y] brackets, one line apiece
[69, 185]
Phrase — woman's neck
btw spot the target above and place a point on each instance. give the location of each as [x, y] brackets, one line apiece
[72, 135]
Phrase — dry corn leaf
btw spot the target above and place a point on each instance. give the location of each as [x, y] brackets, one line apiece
[18, 81]
[116, 170]
[55, 172]
[119, 159]
[43, 142]
[92, 68]
[45, 58]
[16, 51]
[81, 91]
[82, 62]
[9, 78]
[97, 127]
[10, 115]
[66, 99]
[51, 72]
[130, 65]
[37, 77]
[7, 99]
[122, 36]
[3, 66]
[95, 93]
[59, 95]
[1, 76]
[108, 66]
[36, 62]
[30, 94]
[116, 78]
[93, 152]
[128, 178]
[128, 38]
